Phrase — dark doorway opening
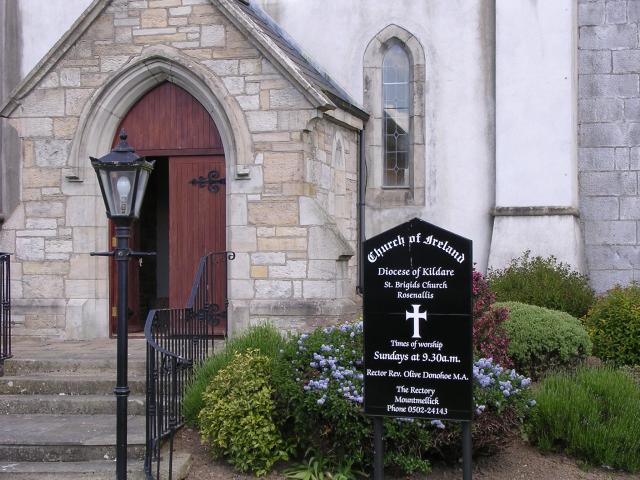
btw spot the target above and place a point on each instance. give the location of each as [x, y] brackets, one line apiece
[154, 237]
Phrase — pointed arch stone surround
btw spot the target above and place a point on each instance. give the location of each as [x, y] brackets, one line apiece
[103, 112]
[97, 125]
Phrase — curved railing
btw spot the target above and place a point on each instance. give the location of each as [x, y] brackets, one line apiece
[5, 309]
[177, 340]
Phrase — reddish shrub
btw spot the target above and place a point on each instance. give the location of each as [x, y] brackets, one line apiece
[490, 339]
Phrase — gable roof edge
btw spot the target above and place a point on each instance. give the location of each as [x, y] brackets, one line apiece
[266, 45]
[44, 66]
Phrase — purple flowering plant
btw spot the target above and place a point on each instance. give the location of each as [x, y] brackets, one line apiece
[497, 388]
[326, 396]
[325, 399]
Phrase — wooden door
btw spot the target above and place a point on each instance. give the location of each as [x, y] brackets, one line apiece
[169, 123]
[196, 223]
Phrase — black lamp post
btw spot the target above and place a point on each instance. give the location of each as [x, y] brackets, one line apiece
[123, 178]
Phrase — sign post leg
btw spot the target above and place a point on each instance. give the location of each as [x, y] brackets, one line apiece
[378, 449]
[466, 450]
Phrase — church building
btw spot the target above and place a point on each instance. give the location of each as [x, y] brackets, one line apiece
[289, 131]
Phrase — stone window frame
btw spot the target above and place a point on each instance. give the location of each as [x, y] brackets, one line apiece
[379, 195]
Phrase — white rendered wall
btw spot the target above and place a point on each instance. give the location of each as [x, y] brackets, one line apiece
[457, 39]
[43, 23]
[536, 103]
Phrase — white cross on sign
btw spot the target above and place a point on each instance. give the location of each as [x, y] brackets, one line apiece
[416, 316]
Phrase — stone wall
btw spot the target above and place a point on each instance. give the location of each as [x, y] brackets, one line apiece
[298, 265]
[294, 233]
[609, 155]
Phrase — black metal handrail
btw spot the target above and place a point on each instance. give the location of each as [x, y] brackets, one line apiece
[5, 309]
[177, 340]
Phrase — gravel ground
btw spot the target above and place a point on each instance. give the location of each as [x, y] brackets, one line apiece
[517, 462]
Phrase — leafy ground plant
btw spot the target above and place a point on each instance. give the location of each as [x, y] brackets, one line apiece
[593, 414]
[544, 282]
[317, 468]
[541, 339]
[265, 338]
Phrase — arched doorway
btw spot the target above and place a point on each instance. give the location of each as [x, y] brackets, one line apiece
[182, 217]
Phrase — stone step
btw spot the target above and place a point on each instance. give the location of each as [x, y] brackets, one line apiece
[68, 384]
[26, 366]
[66, 438]
[19, 332]
[97, 470]
[68, 404]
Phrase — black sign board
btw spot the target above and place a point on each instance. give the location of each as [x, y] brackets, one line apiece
[417, 323]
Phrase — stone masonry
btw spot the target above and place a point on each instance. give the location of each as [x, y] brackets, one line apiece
[609, 139]
[291, 219]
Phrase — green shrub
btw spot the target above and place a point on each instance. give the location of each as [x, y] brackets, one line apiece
[237, 417]
[265, 338]
[543, 339]
[544, 282]
[593, 414]
[613, 324]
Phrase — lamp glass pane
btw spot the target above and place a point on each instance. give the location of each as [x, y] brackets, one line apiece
[122, 190]
[143, 178]
[105, 184]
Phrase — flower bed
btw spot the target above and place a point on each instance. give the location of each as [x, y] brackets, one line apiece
[317, 388]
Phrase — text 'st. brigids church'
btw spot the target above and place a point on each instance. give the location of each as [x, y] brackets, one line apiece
[290, 131]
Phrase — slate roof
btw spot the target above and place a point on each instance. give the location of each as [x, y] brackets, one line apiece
[311, 71]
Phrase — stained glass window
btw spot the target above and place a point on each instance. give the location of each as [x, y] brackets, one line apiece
[396, 116]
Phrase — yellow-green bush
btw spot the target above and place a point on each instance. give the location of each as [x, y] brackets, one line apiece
[541, 339]
[613, 324]
[265, 338]
[237, 420]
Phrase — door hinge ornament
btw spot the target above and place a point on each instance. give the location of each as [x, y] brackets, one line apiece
[211, 181]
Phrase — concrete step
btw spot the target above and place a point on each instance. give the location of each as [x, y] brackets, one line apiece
[66, 438]
[97, 470]
[71, 384]
[101, 366]
[68, 404]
